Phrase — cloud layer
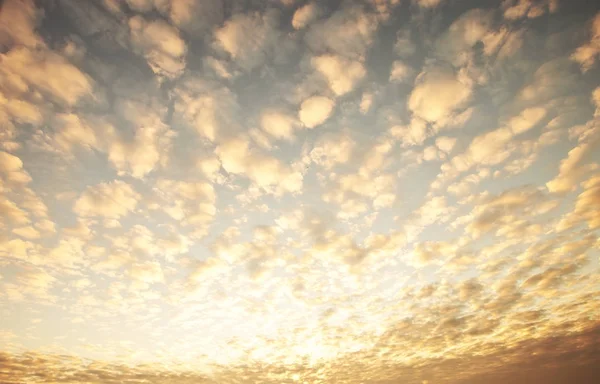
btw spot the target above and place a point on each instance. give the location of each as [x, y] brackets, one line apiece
[378, 191]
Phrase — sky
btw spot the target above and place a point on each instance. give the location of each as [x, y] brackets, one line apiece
[288, 191]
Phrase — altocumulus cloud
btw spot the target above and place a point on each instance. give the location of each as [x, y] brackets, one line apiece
[373, 191]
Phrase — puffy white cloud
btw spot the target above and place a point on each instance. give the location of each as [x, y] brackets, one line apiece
[268, 172]
[365, 102]
[315, 111]
[209, 166]
[47, 72]
[211, 109]
[433, 210]
[445, 143]
[18, 20]
[28, 232]
[517, 9]
[332, 149]
[135, 154]
[278, 124]
[160, 44]
[494, 147]
[193, 16]
[401, 72]
[414, 133]
[354, 192]
[572, 168]
[249, 38]
[36, 283]
[587, 54]
[348, 32]
[45, 226]
[21, 111]
[478, 26]
[587, 207]
[526, 120]
[596, 101]
[342, 75]
[438, 95]
[12, 212]
[144, 274]
[196, 16]
[464, 33]
[112, 199]
[11, 170]
[149, 146]
[72, 130]
[189, 203]
[305, 15]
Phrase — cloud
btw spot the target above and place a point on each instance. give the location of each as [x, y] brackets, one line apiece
[193, 16]
[161, 179]
[437, 96]
[18, 20]
[160, 44]
[278, 124]
[494, 147]
[428, 3]
[366, 102]
[211, 109]
[331, 150]
[11, 170]
[348, 32]
[315, 111]
[144, 274]
[587, 53]
[596, 101]
[149, 146]
[577, 163]
[517, 9]
[445, 144]
[305, 15]
[47, 72]
[12, 212]
[341, 74]
[188, 203]
[113, 199]
[400, 72]
[587, 207]
[72, 130]
[404, 45]
[249, 38]
[355, 192]
[268, 172]
[28, 232]
[503, 212]
[196, 17]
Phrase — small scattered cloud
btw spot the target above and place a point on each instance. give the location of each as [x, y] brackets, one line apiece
[341, 74]
[113, 199]
[305, 15]
[315, 111]
[438, 95]
[249, 38]
[160, 44]
[586, 54]
[348, 32]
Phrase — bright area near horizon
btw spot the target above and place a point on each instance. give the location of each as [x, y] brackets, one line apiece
[377, 191]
